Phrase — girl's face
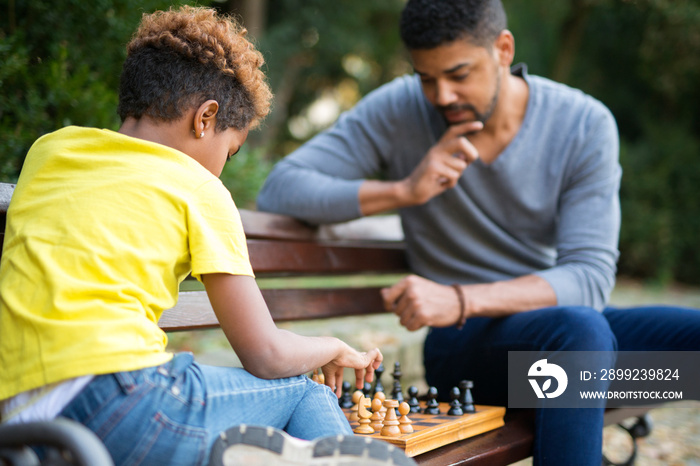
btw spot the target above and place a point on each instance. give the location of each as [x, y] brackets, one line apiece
[218, 147]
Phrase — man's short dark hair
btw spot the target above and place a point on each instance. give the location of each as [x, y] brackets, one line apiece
[426, 24]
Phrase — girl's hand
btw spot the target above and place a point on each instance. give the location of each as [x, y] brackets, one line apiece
[363, 363]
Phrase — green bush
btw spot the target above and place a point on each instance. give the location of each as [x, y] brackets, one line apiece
[640, 59]
[660, 198]
[244, 175]
[61, 62]
[44, 97]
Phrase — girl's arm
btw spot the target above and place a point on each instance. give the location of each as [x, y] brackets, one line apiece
[269, 352]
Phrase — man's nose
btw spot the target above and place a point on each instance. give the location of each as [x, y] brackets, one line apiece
[445, 93]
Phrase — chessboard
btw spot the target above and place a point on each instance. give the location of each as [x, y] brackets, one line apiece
[431, 431]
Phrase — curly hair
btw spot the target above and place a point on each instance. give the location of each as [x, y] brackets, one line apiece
[178, 59]
[426, 24]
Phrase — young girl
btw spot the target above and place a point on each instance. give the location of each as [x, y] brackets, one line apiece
[102, 228]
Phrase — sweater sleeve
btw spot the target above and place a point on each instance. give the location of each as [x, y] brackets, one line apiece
[298, 187]
[319, 182]
[589, 218]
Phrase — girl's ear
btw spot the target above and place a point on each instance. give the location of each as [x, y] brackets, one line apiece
[205, 118]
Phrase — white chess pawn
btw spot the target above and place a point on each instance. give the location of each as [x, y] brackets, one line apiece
[404, 422]
[381, 396]
[377, 416]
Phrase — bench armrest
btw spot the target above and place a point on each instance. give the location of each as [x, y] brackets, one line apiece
[64, 434]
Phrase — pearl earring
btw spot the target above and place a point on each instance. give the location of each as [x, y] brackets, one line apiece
[201, 135]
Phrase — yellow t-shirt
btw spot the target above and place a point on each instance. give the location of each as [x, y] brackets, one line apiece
[101, 229]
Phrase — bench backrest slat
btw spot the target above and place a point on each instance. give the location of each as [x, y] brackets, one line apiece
[272, 226]
[296, 257]
[193, 311]
[319, 303]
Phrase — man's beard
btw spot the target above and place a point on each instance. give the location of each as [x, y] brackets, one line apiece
[478, 116]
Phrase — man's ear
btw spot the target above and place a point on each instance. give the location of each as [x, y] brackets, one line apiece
[504, 47]
[205, 117]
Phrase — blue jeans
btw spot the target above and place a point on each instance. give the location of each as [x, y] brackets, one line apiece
[171, 414]
[479, 352]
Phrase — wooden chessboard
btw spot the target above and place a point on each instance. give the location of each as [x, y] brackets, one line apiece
[431, 431]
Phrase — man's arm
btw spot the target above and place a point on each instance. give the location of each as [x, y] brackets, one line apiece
[329, 179]
[320, 181]
[588, 223]
[419, 302]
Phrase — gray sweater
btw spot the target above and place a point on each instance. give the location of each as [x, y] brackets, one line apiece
[548, 205]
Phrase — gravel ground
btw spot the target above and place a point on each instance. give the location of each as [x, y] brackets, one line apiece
[674, 438]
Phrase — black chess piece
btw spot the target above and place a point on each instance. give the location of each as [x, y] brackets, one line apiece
[378, 386]
[465, 398]
[432, 406]
[413, 402]
[397, 392]
[367, 389]
[455, 405]
[345, 400]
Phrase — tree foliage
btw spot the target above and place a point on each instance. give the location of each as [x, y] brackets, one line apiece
[61, 62]
[639, 57]
[316, 46]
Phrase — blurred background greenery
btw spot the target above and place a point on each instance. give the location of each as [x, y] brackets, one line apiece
[60, 62]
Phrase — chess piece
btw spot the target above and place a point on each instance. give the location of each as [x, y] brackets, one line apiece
[315, 377]
[432, 406]
[391, 423]
[378, 386]
[466, 399]
[355, 407]
[363, 415]
[367, 390]
[397, 392]
[404, 422]
[377, 419]
[455, 405]
[345, 400]
[381, 396]
[413, 402]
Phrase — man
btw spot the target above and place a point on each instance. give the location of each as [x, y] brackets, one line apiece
[507, 186]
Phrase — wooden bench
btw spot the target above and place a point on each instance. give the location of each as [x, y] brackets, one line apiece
[280, 246]
[283, 247]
